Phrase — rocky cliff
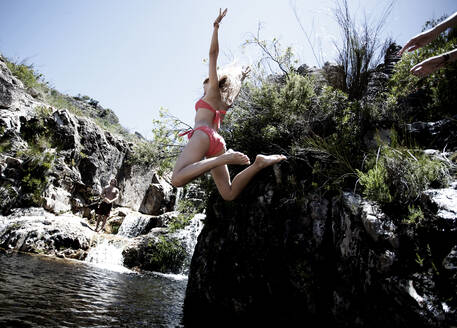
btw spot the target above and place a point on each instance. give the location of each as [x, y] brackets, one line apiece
[283, 256]
[56, 154]
[292, 252]
[54, 158]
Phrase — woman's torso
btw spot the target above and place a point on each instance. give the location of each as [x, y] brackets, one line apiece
[205, 116]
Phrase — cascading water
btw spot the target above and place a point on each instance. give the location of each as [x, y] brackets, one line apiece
[108, 253]
[108, 250]
[178, 197]
[133, 225]
[189, 235]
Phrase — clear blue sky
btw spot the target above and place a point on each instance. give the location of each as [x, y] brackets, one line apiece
[136, 56]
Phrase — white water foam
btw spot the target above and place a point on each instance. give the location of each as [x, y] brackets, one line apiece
[107, 254]
[133, 225]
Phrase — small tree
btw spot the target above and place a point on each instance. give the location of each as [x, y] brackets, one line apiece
[359, 52]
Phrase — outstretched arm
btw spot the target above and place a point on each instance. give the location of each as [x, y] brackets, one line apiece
[214, 53]
[428, 36]
[432, 64]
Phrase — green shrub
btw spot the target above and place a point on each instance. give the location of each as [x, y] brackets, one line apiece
[165, 255]
[375, 184]
[415, 215]
[179, 222]
[34, 174]
[165, 146]
[187, 209]
[272, 115]
[399, 175]
[25, 73]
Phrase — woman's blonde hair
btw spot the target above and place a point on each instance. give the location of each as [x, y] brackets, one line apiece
[230, 81]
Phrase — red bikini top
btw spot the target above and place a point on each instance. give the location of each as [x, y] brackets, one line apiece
[217, 113]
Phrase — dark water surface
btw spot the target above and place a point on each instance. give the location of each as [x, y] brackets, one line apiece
[37, 291]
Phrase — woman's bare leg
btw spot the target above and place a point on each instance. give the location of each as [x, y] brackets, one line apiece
[230, 190]
[190, 164]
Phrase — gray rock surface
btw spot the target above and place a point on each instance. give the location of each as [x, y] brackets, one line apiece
[86, 156]
[38, 231]
[283, 256]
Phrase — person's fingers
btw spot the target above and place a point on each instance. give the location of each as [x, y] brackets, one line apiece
[413, 47]
[402, 50]
[417, 70]
[406, 46]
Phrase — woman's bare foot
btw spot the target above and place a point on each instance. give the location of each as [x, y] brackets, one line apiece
[235, 157]
[263, 161]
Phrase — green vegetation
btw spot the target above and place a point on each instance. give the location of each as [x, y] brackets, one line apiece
[165, 146]
[400, 175]
[82, 106]
[165, 255]
[436, 92]
[187, 209]
[26, 74]
[34, 173]
[330, 135]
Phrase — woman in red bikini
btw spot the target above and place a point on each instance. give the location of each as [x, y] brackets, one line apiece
[206, 150]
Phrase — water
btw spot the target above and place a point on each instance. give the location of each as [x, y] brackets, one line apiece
[38, 291]
[133, 225]
[107, 253]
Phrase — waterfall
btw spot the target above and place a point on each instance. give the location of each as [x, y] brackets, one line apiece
[107, 253]
[188, 236]
[108, 250]
[178, 197]
[133, 225]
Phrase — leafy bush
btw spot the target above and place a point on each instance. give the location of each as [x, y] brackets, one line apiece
[399, 175]
[34, 174]
[271, 115]
[165, 146]
[25, 73]
[165, 255]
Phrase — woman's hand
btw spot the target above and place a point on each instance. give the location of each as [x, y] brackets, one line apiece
[419, 41]
[219, 18]
[428, 66]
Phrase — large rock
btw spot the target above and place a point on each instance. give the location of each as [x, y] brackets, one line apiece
[163, 249]
[37, 231]
[156, 251]
[280, 255]
[144, 191]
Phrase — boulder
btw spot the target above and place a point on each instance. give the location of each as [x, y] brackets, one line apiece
[38, 231]
[156, 251]
[56, 200]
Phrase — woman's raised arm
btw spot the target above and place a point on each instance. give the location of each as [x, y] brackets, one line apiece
[214, 51]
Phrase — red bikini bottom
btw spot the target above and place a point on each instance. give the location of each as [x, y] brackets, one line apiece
[216, 142]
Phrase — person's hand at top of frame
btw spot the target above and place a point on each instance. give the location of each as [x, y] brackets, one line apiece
[419, 41]
[245, 72]
[428, 66]
[219, 18]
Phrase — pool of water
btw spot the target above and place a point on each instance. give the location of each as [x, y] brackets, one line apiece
[39, 291]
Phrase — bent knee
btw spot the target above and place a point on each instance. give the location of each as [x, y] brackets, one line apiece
[177, 181]
[228, 196]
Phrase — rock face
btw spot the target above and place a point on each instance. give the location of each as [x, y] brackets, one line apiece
[77, 160]
[282, 256]
[35, 230]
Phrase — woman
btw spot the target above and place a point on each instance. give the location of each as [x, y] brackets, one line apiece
[219, 94]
